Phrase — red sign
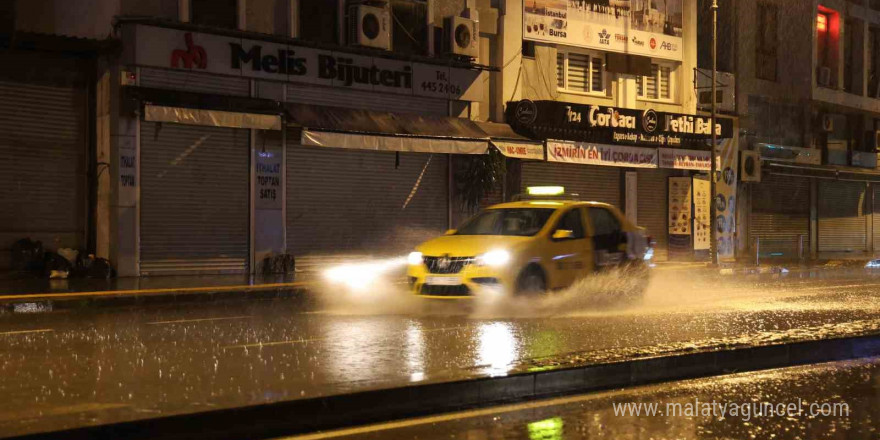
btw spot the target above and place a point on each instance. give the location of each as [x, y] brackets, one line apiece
[192, 56]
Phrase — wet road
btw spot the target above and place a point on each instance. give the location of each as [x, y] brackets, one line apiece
[834, 401]
[65, 369]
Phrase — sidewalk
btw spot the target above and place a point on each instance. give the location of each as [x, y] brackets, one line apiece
[24, 288]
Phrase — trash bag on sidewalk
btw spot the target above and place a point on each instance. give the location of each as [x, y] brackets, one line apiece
[71, 255]
[100, 268]
[55, 266]
[279, 264]
[27, 255]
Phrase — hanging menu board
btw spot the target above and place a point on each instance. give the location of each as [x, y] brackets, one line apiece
[680, 206]
[702, 206]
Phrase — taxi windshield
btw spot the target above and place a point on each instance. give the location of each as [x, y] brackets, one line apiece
[514, 221]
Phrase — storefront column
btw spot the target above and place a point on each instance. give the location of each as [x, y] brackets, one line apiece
[123, 184]
[814, 219]
[869, 218]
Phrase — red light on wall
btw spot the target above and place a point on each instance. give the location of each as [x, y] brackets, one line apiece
[821, 22]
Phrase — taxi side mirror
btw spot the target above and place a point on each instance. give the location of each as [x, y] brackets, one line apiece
[449, 232]
[563, 234]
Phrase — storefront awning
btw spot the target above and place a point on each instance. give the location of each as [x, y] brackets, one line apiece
[510, 143]
[829, 172]
[212, 118]
[367, 130]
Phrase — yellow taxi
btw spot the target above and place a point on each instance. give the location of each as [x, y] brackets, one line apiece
[545, 242]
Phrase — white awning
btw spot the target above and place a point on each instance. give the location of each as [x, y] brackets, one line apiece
[520, 149]
[212, 118]
[394, 143]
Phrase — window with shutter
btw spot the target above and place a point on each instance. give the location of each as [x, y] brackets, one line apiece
[658, 85]
[560, 70]
[596, 75]
[580, 73]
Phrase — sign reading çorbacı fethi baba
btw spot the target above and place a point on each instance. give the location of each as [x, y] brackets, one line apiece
[642, 27]
[613, 125]
[226, 55]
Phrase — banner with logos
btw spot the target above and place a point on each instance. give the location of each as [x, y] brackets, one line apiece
[228, 55]
[679, 159]
[726, 200]
[641, 27]
[702, 205]
[600, 154]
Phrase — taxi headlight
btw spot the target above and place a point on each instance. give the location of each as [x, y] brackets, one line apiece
[414, 258]
[493, 258]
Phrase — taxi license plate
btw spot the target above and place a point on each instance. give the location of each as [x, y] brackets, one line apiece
[443, 281]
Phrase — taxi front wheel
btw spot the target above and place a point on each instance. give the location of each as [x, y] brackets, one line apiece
[531, 282]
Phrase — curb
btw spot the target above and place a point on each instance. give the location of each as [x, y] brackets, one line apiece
[40, 302]
[331, 412]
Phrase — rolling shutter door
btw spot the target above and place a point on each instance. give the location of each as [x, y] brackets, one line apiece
[356, 202]
[359, 99]
[652, 201]
[589, 182]
[842, 219]
[781, 215]
[194, 199]
[42, 166]
[876, 217]
[194, 82]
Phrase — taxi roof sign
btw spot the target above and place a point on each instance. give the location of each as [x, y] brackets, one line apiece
[545, 190]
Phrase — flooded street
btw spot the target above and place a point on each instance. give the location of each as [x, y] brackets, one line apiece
[78, 367]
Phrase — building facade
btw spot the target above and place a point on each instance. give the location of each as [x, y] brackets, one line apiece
[628, 62]
[227, 132]
[805, 95]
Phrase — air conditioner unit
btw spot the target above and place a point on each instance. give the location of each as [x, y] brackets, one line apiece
[463, 36]
[824, 78]
[827, 123]
[725, 88]
[369, 26]
[750, 166]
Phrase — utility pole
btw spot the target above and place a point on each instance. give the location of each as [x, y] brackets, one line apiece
[713, 224]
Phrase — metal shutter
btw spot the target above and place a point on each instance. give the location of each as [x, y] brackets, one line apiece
[652, 211]
[876, 217]
[42, 166]
[780, 215]
[352, 201]
[194, 82]
[842, 219]
[590, 182]
[194, 199]
[350, 98]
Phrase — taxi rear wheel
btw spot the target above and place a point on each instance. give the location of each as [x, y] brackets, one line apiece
[531, 282]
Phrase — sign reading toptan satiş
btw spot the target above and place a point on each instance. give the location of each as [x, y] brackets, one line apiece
[225, 55]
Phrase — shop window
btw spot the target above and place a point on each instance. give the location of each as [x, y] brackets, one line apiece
[658, 85]
[580, 72]
[215, 13]
[766, 43]
[409, 30]
[319, 21]
[874, 62]
[268, 16]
